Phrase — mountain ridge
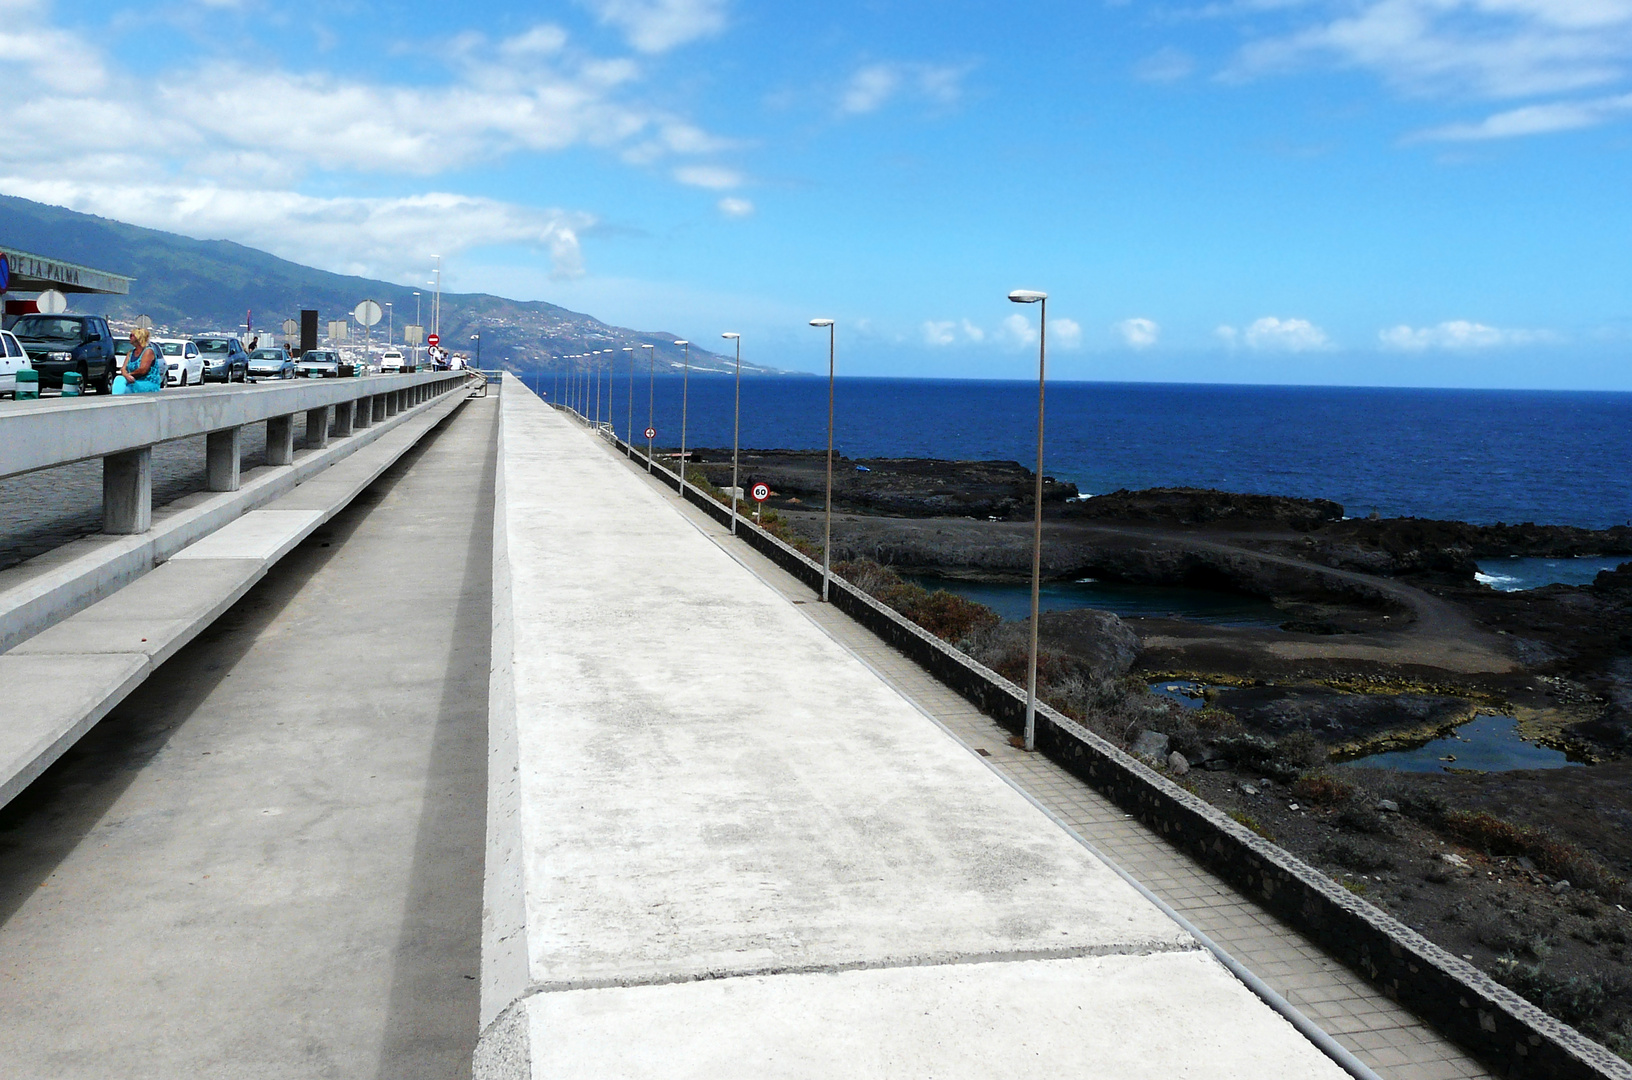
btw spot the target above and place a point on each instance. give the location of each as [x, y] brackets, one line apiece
[198, 285]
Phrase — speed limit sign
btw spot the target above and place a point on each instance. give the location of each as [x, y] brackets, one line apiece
[651, 433]
[759, 492]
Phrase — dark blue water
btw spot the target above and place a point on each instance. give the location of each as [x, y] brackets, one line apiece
[1013, 600]
[1516, 574]
[1485, 744]
[1470, 455]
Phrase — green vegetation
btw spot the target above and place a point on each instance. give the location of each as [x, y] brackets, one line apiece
[1247, 821]
[945, 614]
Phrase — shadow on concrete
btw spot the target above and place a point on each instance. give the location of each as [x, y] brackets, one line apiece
[431, 1025]
[47, 820]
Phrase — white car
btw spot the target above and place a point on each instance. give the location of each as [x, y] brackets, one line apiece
[184, 364]
[392, 360]
[12, 360]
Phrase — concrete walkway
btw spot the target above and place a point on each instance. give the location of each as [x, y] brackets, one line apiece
[267, 861]
[720, 846]
[1379, 1032]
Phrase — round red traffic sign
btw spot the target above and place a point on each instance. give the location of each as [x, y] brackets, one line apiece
[651, 433]
[760, 492]
[433, 341]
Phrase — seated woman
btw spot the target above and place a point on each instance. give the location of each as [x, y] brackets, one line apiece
[144, 370]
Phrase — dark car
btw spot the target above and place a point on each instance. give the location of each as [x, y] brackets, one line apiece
[224, 359]
[60, 343]
[271, 364]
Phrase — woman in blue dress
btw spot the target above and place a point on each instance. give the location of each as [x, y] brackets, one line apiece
[144, 370]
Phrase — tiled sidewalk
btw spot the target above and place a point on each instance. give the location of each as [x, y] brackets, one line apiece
[1379, 1032]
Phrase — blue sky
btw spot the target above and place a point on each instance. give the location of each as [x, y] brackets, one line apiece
[1411, 192]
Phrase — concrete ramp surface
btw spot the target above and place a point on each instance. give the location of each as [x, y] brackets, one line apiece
[720, 845]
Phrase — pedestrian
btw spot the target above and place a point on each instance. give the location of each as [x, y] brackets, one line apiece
[144, 368]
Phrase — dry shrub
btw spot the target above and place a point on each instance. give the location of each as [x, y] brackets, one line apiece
[1551, 855]
[947, 615]
[1322, 789]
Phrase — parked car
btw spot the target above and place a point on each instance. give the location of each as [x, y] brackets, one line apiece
[318, 364]
[183, 362]
[224, 358]
[13, 358]
[392, 361]
[59, 343]
[271, 363]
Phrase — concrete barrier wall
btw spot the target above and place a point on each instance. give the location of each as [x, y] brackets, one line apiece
[57, 431]
[1491, 1021]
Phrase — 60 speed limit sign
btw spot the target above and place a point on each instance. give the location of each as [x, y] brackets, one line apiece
[759, 492]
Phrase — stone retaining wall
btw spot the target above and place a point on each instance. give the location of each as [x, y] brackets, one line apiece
[1501, 1028]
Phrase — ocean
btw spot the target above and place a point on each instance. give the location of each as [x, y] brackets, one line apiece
[1482, 456]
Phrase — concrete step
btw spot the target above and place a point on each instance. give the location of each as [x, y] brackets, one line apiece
[61, 681]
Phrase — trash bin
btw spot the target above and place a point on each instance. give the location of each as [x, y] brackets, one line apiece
[28, 384]
[70, 383]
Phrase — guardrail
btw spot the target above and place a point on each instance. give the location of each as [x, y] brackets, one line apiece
[122, 431]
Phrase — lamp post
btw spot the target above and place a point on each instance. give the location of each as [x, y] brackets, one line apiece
[736, 428]
[685, 400]
[629, 422]
[598, 353]
[418, 324]
[651, 397]
[1032, 296]
[827, 527]
[477, 338]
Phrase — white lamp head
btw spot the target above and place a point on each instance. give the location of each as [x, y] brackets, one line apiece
[1027, 296]
[682, 341]
[821, 322]
[628, 348]
[730, 336]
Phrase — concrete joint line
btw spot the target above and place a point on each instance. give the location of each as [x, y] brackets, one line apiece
[562, 986]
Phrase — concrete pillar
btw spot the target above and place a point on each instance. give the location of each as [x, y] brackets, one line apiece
[317, 427]
[222, 449]
[390, 403]
[280, 439]
[342, 419]
[364, 415]
[127, 491]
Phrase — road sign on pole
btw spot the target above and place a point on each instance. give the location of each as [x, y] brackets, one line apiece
[290, 328]
[759, 492]
[413, 334]
[51, 302]
[144, 323]
[337, 329]
[433, 341]
[651, 433]
[368, 313]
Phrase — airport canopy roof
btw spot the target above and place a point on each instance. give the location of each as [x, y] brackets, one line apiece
[36, 273]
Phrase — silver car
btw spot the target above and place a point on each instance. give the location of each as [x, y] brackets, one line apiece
[318, 364]
[271, 364]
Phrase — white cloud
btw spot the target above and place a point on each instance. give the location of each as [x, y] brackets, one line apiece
[736, 208]
[1067, 333]
[1165, 66]
[1138, 333]
[875, 84]
[939, 333]
[386, 237]
[1461, 49]
[1270, 334]
[1536, 120]
[1456, 334]
[654, 26]
[1017, 331]
[973, 332]
[714, 177]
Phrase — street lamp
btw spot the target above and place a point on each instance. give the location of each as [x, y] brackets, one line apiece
[477, 338]
[685, 400]
[629, 421]
[736, 428]
[827, 528]
[651, 397]
[597, 355]
[1032, 296]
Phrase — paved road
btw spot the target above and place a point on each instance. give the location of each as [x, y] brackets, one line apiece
[268, 862]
